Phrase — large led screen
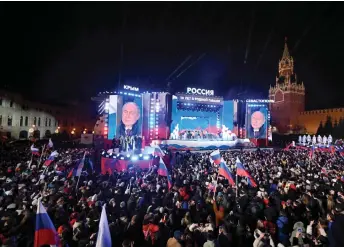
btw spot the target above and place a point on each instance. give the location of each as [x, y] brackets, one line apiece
[112, 119]
[192, 118]
[125, 116]
[256, 120]
[228, 114]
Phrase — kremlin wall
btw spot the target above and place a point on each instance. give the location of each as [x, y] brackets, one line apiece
[288, 112]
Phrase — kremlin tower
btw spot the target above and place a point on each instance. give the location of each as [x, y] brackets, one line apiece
[288, 96]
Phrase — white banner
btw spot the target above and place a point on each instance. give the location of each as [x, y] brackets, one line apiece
[86, 139]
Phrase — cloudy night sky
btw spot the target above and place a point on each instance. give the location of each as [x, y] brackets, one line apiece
[71, 50]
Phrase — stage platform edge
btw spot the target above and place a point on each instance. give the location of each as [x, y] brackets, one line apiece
[203, 144]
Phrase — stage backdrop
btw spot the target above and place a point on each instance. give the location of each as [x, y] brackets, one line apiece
[204, 120]
[257, 120]
[125, 116]
[112, 120]
[228, 114]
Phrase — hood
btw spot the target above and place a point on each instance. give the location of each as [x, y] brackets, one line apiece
[297, 225]
[209, 244]
[282, 220]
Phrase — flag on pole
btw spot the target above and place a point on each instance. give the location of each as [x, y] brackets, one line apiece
[34, 151]
[89, 163]
[169, 181]
[249, 182]
[311, 152]
[225, 172]
[76, 171]
[162, 170]
[242, 172]
[287, 147]
[45, 232]
[104, 236]
[216, 157]
[51, 158]
[50, 143]
[158, 151]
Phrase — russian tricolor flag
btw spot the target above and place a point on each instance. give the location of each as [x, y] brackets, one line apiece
[45, 233]
[225, 172]
[216, 157]
[51, 158]
[76, 171]
[242, 172]
[34, 151]
[311, 152]
[162, 170]
[169, 181]
[158, 151]
[50, 143]
[104, 236]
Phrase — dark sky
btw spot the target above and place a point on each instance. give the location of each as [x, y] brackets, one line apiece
[65, 50]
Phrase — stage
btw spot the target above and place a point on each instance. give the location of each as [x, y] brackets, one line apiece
[203, 144]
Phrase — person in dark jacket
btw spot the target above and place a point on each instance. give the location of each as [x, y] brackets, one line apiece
[223, 239]
[337, 227]
[283, 228]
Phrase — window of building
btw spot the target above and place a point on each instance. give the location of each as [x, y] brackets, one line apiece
[0, 101]
[11, 103]
[46, 122]
[34, 120]
[39, 121]
[49, 122]
[9, 121]
[0, 119]
[21, 121]
[26, 121]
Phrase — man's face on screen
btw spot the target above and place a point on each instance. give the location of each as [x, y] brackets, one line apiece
[257, 120]
[130, 114]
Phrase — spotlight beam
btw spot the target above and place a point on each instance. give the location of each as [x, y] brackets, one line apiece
[179, 66]
[199, 58]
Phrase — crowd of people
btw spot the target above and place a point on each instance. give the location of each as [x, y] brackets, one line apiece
[299, 201]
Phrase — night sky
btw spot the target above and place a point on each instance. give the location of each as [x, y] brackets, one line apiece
[70, 51]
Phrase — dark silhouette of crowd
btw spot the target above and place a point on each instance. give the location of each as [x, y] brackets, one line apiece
[299, 201]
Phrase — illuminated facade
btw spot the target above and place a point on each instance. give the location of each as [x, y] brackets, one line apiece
[288, 96]
[19, 118]
[310, 120]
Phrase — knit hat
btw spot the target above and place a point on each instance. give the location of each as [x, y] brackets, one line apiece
[177, 235]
